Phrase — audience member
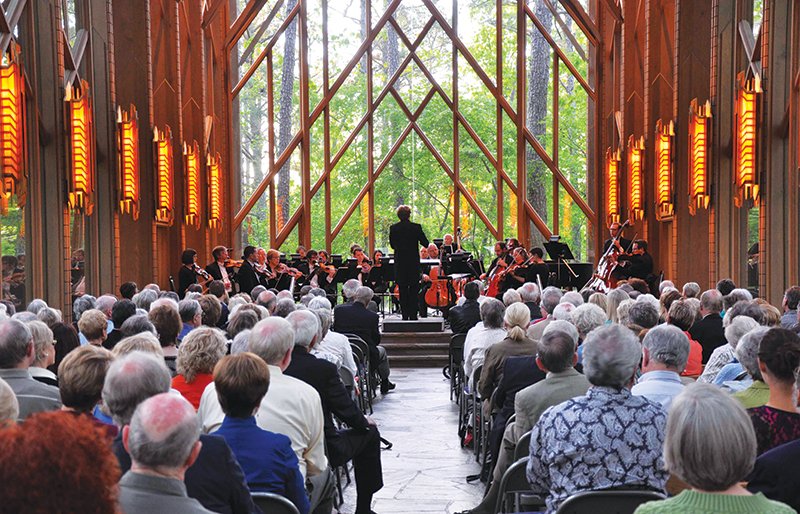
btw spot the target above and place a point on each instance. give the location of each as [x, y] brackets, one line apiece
[284, 307]
[708, 330]
[778, 421]
[756, 393]
[586, 318]
[483, 335]
[331, 342]
[725, 286]
[511, 296]
[137, 324]
[44, 353]
[691, 290]
[516, 320]
[665, 350]
[242, 319]
[775, 475]
[199, 352]
[143, 342]
[9, 406]
[682, 316]
[92, 326]
[710, 445]
[598, 299]
[49, 316]
[211, 308]
[790, 300]
[551, 297]
[613, 299]
[128, 289]
[167, 322]
[120, 312]
[465, 316]
[267, 459]
[723, 355]
[584, 444]
[144, 298]
[191, 314]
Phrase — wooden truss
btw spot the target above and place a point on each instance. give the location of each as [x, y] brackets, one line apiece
[309, 115]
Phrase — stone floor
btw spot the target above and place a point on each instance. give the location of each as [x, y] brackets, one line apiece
[426, 468]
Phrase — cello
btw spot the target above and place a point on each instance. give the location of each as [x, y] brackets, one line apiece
[439, 294]
[602, 279]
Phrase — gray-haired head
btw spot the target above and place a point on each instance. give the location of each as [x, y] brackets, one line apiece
[681, 315]
[270, 339]
[48, 316]
[623, 311]
[516, 320]
[324, 316]
[305, 299]
[36, 305]
[747, 351]
[144, 298]
[492, 313]
[105, 303]
[284, 307]
[268, 300]
[363, 295]
[130, 380]
[349, 288]
[691, 290]
[613, 299]
[551, 296]
[529, 292]
[165, 300]
[189, 309]
[743, 308]
[163, 431]
[24, 316]
[643, 314]
[136, 325]
[306, 327]
[711, 301]
[563, 311]
[737, 295]
[556, 351]
[668, 345]
[82, 304]
[320, 302]
[240, 342]
[611, 355]
[257, 291]
[588, 317]
[16, 344]
[572, 297]
[710, 442]
[9, 406]
[738, 328]
[511, 296]
[666, 284]
[566, 327]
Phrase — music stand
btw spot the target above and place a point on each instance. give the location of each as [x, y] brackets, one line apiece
[560, 252]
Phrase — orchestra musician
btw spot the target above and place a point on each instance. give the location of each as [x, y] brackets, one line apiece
[501, 260]
[278, 275]
[516, 274]
[447, 245]
[537, 268]
[405, 238]
[189, 271]
[327, 275]
[423, 252]
[248, 275]
[219, 270]
[622, 243]
[376, 278]
[362, 262]
[511, 243]
[639, 264]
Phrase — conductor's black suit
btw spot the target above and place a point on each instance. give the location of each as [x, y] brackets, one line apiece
[406, 238]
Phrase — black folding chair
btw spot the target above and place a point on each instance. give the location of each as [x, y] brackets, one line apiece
[273, 503]
[523, 447]
[456, 365]
[515, 493]
[615, 501]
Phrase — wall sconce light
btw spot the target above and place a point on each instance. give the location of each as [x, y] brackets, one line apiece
[665, 209]
[128, 160]
[698, 155]
[746, 178]
[191, 160]
[214, 192]
[635, 156]
[12, 125]
[612, 185]
[162, 139]
[81, 148]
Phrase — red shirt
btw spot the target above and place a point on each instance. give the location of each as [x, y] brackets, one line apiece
[694, 366]
[194, 390]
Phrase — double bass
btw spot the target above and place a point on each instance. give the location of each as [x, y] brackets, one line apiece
[602, 279]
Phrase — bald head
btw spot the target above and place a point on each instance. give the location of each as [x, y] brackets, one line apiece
[16, 345]
[271, 339]
[163, 432]
[132, 379]
[268, 300]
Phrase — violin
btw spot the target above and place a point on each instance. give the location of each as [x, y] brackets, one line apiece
[233, 263]
[292, 272]
[200, 272]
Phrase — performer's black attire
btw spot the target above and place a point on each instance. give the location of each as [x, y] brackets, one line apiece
[624, 243]
[541, 270]
[639, 266]
[406, 238]
[186, 277]
[247, 278]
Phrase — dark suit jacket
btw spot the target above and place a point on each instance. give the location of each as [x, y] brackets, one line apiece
[777, 474]
[541, 270]
[354, 318]
[623, 242]
[248, 278]
[518, 373]
[641, 266]
[464, 317]
[406, 239]
[213, 270]
[186, 277]
[709, 333]
[216, 480]
[324, 378]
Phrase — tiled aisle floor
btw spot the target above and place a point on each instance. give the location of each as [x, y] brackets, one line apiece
[426, 468]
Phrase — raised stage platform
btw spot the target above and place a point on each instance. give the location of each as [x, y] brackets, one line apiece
[416, 344]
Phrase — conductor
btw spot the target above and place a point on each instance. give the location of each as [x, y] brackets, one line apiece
[406, 238]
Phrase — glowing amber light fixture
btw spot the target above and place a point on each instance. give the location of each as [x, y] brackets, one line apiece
[128, 160]
[698, 155]
[635, 153]
[746, 178]
[664, 206]
[81, 148]
[612, 184]
[191, 160]
[214, 192]
[162, 139]
[12, 127]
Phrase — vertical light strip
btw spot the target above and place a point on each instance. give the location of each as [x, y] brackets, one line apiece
[128, 160]
[665, 208]
[612, 184]
[635, 159]
[162, 139]
[698, 155]
[746, 178]
[191, 159]
[214, 192]
[12, 124]
[81, 148]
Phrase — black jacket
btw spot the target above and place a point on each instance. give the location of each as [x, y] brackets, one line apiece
[216, 480]
[464, 317]
[777, 474]
[639, 266]
[406, 239]
[248, 278]
[186, 277]
[709, 333]
[354, 318]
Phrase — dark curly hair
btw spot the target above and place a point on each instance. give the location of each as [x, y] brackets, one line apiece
[51, 476]
[780, 352]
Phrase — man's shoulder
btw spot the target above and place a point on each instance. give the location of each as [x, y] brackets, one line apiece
[292, 388]
[32, 387]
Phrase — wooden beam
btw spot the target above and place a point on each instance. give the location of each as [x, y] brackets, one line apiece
[243, 21]
[584, 21]
[572, 39]
[260, 32]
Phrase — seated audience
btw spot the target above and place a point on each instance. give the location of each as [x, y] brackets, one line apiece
[167, 322]
[16, 356]
[755, 392]
[92, 326]
[199, 352]
[163, 442]
[776, 476]
[331, 343]
[778, 421]
[691, 290]
[81, 377]
[529, 292]
[9, 406]
[267, 459]
[121, 311]
[284, 307]
[711, 446]
[137, 324]
[665, 350]
[584, 444]
[642, 315]
[598, 299]
[191, 314]
[57, 463]
[45, 353]
[790, 300]
[586, 318]
[483, 335]
[613, 299]
[144, 342]
[681, 315]
[551, 297]
[465, 316]
[516, 321]
[724, 354]
[212, 309]
[215, 479]
[242, 319]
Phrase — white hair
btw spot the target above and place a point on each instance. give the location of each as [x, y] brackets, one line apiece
[306, 327]
[587, 317]
[572, 297]
[563, 311]
[611, 355]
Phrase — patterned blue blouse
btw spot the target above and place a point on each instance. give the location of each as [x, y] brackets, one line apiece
[605, 439]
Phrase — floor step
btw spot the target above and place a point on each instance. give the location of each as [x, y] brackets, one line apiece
[417, 361]
[417, 349]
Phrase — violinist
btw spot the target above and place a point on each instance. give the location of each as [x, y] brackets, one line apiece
[279, 275]
[512, 243]
[326, 275]
[376, 280]
[219, 268]
[248, 277]
[362, 262]
[537, 268]
[189, 271]
[639, 264]
[516, 274]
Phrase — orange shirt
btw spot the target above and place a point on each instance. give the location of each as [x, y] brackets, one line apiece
[694, 366]
[194, 390]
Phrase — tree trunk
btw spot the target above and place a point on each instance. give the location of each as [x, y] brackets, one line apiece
[536, 121]
[285, 115]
